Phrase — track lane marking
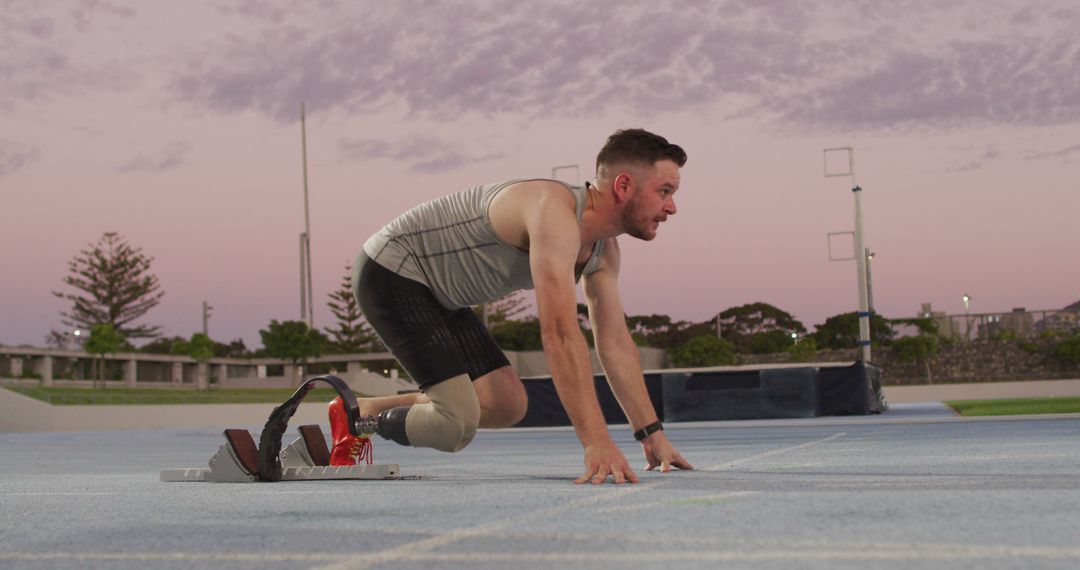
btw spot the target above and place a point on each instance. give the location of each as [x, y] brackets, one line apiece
[412, 548]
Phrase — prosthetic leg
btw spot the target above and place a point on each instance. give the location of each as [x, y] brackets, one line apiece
[305, 459]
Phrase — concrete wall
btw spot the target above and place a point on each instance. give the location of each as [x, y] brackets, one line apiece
[982, 391]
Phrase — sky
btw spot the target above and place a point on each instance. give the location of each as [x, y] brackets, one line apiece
[176, 124]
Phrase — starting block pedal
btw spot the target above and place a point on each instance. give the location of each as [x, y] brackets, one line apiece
[305, 459]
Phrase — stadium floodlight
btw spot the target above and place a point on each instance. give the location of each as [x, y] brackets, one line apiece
[840, 161]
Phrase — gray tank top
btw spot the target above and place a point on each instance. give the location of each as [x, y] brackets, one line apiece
[449, 245]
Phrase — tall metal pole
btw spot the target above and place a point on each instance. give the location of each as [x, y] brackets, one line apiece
[303, 279]
[870, 279]
[206, 318]
[305, 244]
[860, 261]
[860, 252]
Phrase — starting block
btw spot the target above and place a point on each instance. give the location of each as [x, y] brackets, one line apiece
[305, 459]
[240, 460]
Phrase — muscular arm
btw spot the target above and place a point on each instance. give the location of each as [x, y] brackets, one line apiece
[621, 361]
[554, 242]
[618, 354]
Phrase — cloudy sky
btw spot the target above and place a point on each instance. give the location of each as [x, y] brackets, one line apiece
[176, 124]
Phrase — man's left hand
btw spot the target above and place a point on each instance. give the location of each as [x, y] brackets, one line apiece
[660, 453]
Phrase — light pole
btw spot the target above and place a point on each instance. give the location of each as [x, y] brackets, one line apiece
[860, 247]
[967, 315]
[307, 303]
[869, 281]
[206, 308]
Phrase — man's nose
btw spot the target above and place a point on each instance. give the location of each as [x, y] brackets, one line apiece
[669, 207]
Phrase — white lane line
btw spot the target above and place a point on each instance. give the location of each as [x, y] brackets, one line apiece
[870, 551]
[402, 551]
[60, 493]
[745, 460]
[687, 502]
[407, 549]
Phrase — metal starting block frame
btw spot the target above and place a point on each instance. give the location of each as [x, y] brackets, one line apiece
[305, 459]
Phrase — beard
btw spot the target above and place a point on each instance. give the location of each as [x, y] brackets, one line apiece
[637, 223]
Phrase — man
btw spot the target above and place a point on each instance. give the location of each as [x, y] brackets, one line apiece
[417, 277]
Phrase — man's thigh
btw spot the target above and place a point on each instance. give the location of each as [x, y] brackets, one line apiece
[503, 401]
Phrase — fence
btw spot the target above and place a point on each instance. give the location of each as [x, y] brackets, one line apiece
[1019, 323]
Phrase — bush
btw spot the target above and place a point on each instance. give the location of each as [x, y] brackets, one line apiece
[803, 351]
[1028, 346]
[518, 335]
[914, 348]
[704, 351]
[769, 342]
[1069, 349]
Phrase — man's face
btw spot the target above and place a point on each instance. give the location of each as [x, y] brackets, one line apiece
[652, 199]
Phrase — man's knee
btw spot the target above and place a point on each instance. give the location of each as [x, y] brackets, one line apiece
[514, 409]
[449, 421]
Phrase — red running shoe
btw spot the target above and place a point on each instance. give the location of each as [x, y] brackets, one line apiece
[348, 449]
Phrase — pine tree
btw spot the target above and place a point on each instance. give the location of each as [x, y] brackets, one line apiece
[117, 285]
[351, 334]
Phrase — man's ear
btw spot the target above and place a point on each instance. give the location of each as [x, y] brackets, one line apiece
[621, 187]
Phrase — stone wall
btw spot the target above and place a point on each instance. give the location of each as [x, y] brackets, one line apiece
[981, 361]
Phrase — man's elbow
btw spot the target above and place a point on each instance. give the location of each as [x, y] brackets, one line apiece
[620, 347]
[558, 335]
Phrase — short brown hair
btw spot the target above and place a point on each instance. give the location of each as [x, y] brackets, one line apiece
[639, 146]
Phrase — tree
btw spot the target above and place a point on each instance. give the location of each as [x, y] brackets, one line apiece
[162, 345]
[1069, 349]
[518, 335]
[104, 339]
[117, 288]
[352, 333]
[293, 341]
[804, 350]
[842, 331]
[659, 331]
[917, 348]
[704, 351]
[200, 347]
[759, 328]
[174, 345]
[768, 342]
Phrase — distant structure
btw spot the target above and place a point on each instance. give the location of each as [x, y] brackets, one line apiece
[1020, 322]
[945, 325]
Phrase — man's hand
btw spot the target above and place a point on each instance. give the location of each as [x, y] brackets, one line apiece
[604, 459]
[660, 453]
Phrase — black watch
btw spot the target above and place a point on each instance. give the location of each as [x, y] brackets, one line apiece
[648, 430]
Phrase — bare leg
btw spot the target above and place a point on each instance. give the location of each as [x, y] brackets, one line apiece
[502, 396]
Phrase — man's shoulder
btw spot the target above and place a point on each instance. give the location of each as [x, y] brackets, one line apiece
[537, 196]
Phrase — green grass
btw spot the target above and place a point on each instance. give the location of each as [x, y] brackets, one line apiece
[1016, 407]
[152, 396]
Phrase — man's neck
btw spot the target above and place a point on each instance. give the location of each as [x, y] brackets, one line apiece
[601, 219]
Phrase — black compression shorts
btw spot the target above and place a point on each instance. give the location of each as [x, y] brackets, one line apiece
[431, 342]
